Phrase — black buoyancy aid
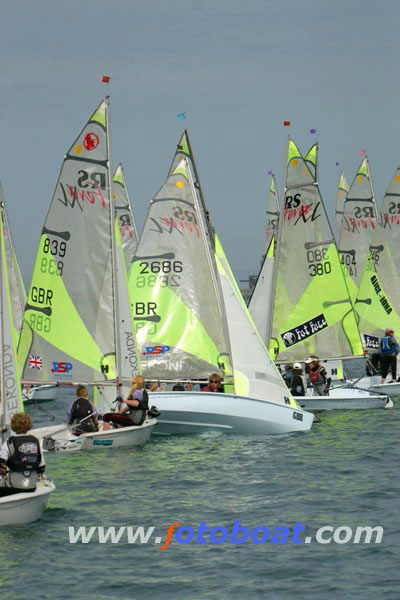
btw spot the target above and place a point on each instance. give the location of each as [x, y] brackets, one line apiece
[138, 413]
[25, 454]
[81, 409]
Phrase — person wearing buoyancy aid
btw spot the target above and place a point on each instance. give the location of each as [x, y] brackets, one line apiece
[21, 459]
[317, 376]
[298, 385]
[82, 414]
[389, 350]
[133, 410]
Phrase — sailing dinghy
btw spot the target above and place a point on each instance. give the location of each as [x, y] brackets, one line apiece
[311, 309]
[21, 508]
[191, 321]
[77, 323]
[378, 299]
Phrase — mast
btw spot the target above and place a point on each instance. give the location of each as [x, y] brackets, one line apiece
[117, 341]
[2, 382]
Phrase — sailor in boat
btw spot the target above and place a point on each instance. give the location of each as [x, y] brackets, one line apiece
[389, 350]
[317, 376]
[298, 385]
[214, 384]
[21, 459]
[133, 410]
[82, 414]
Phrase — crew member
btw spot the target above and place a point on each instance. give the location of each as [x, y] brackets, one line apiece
[82, 414]
[133, 410]
[389, 350]
[21, 458]
[317, 376]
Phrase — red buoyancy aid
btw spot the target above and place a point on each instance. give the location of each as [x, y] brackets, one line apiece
[315, 376]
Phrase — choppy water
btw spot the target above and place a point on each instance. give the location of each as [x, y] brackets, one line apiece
[344, 472]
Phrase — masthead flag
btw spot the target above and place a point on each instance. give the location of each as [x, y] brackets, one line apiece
[105, 79]
[286, 123]
[181, 116]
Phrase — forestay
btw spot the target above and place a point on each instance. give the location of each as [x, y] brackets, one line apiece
[312, 312]
[71, 329]
[10, 392]
[124, 213]
[358, 225]
[378, 299]
[178, 318]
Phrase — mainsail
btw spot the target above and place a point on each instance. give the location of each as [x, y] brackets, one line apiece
[123, 212]
[73, 329]
[343, 190]
[312, 312]
[358, 225]
[10, 387]
[178, 319]
[272, 213]
[378, 299]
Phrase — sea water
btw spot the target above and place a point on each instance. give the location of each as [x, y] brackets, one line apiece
[342, 473]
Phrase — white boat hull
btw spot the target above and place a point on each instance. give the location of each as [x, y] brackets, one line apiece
[41, 393]
[20, 509]
[373, 383]
[65, 441]
[196, 412]
[345, 398]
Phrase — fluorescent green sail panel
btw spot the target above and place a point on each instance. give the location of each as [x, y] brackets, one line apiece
[363, 169]
[293, 151]
[118, 176]
[51, 314]
[100, 115]
[312, 155]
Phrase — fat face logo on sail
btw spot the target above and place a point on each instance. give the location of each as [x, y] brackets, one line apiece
[371, 341]
[303, 331]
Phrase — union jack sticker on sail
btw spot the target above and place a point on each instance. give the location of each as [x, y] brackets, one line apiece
[35, 362]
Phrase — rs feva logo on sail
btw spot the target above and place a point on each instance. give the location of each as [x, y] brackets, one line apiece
[303, 331]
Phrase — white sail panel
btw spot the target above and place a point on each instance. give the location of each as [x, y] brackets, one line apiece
[272, 212]
[255, 374]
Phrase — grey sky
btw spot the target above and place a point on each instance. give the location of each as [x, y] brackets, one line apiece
[238, 68]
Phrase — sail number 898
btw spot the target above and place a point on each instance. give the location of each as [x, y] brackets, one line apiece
[161, 266]
[316, 263]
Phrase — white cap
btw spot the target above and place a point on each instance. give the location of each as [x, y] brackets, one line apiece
[297, 366]
[309, 361]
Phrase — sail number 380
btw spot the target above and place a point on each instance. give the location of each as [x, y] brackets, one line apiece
[317, 265]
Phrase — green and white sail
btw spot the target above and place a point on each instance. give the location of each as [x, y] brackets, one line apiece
[255, 374]
[124, 213]
[10, 392]
[378, 300]
[358, 225]
[343, 189]
[178, 319]
[71, 329]
[312, 311]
